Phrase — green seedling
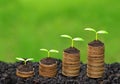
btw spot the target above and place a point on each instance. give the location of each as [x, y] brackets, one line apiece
[24, 60]
[72, 39]
[49, 51]
[97, 32]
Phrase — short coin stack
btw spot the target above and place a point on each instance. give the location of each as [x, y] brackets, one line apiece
[48, 67]
[48, 70]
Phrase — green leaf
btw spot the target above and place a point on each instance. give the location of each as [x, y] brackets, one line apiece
[20, 59]
[90, 29]
[78, 39]
[52, 50]
[29, 59]
[66, 36]
[44, 50]
[102, 32]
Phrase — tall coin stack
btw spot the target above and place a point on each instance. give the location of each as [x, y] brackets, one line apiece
[95, 60]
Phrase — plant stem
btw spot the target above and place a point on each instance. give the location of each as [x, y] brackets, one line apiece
[48, 54]
[25, 62]
[96, 36]
[72, 43]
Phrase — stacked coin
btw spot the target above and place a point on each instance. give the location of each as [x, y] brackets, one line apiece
[71, 64]
[95, 62]
[47, 70]
[24, 74]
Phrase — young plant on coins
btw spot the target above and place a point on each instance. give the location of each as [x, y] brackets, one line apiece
[95, 61]
[25, 70]
[48, 65]
[96, 32]
[71, 58]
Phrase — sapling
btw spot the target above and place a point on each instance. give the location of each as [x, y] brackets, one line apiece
[49, 51]
[24, 60]
[97, 32]
[72, 39]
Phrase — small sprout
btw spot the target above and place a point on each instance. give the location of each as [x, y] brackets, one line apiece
[72, 39]
[49, 51]
[24, 60]
[97, 32]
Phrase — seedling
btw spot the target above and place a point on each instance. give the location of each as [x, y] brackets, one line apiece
[97, 32]
[72, 39]
[24, 60]
[49, 51]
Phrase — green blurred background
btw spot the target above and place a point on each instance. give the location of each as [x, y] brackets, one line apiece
[28, 25]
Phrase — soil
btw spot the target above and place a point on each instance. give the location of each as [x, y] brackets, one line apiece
[48, 61]
[71, 50]
[96, 43]
[8, 75]
[25, 68]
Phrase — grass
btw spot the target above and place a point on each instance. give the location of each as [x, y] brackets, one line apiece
[27, 25]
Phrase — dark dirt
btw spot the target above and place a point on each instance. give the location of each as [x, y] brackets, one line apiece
[8, 75]
[48, 61]
[72, 50]
[25, 68]
[96, 43]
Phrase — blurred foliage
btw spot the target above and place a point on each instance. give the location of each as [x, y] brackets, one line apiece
[28, 25]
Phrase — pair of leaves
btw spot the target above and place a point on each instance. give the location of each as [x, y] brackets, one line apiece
[98, 32]
[52, 50]
[21, 59]
[75, 39]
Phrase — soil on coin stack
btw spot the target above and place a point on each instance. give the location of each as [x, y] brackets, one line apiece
[48, 61]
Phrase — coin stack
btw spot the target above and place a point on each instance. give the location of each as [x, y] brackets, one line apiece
[47, 70]
[24, 74]
[95, 62]
[71, 64]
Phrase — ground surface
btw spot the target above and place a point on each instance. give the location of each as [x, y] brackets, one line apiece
[8, 76]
